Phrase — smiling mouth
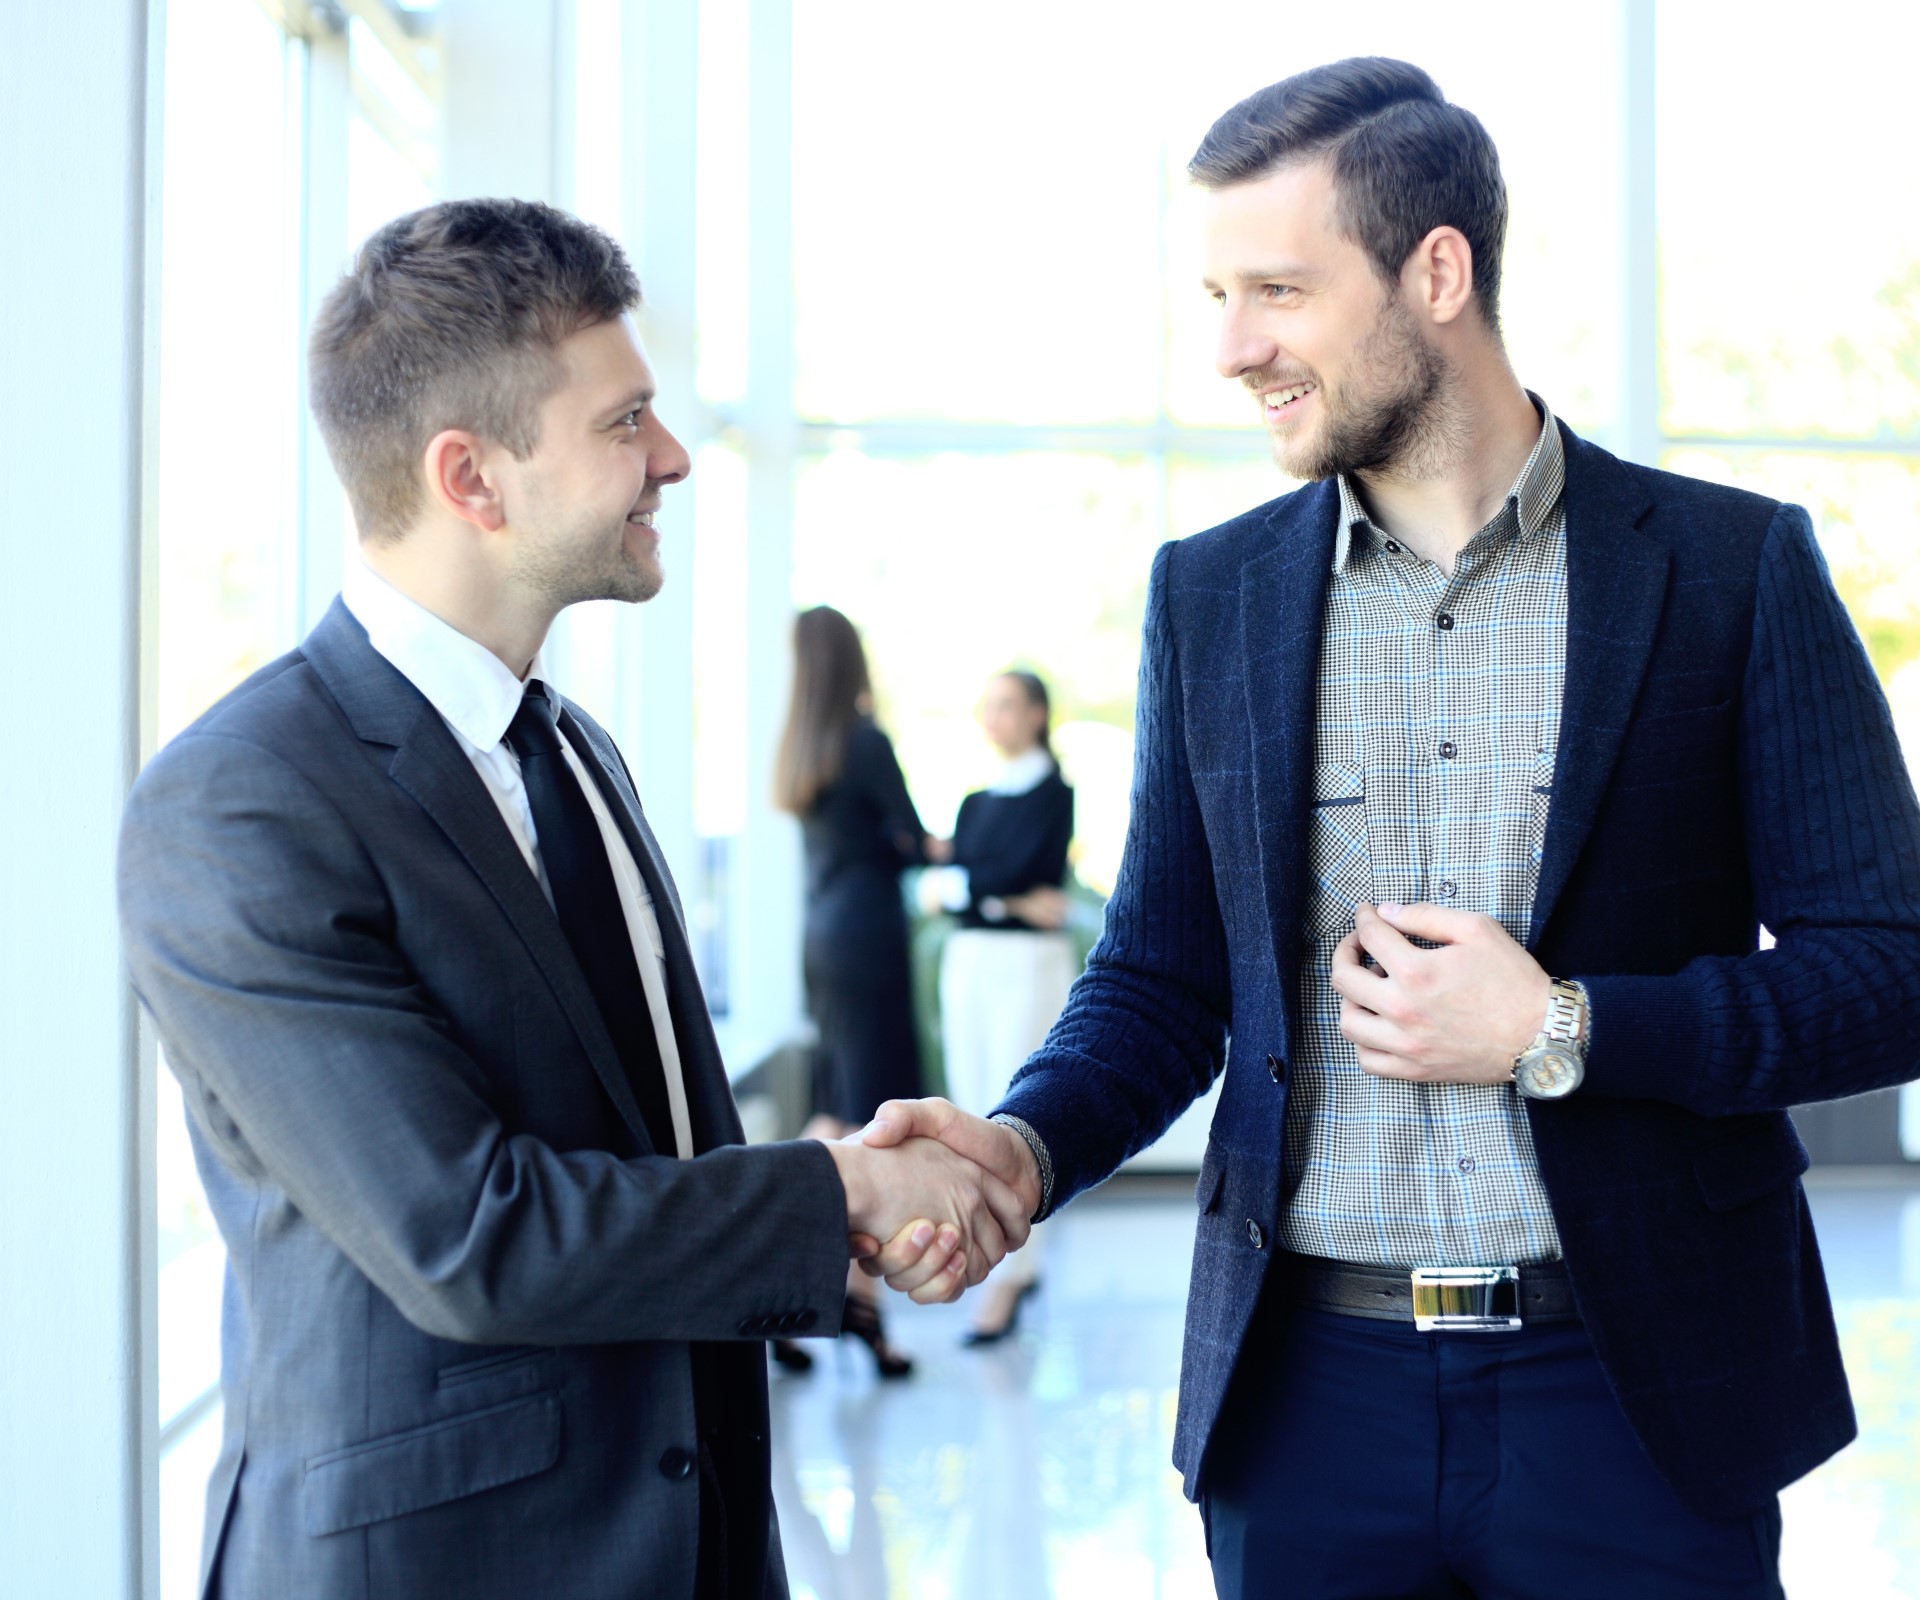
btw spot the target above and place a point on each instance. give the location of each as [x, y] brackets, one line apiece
[1279, 404]
[642, 519]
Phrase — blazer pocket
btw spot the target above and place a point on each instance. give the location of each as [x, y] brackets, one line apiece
[1693, 731]
[1767, 1155]
[430, 1466]
[495, 1365]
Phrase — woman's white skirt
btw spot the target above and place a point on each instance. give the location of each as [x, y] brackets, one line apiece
[999, 994]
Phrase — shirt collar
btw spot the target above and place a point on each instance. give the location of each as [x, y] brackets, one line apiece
[1534, 494]
[461, 678]
[1024, 772]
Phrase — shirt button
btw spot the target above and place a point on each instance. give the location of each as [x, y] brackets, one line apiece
[1254, 1235]
[1391, 548]
[1444, 622]
[1448, 750]
[1448, 889]
[1465, 1163]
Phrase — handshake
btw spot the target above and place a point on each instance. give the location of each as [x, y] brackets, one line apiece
[948, 1192]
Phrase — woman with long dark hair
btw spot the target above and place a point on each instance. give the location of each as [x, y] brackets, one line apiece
[837, 773]
[1006, 970]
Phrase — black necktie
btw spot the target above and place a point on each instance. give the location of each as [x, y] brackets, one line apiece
[588, 904]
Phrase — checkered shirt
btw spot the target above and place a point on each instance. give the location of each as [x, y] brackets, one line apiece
[1438, 716]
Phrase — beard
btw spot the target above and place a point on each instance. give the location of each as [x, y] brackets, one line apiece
[584, 557]
[1388, 416]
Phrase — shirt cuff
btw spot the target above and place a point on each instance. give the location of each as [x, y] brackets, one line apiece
[951, 890]
[1041, 1159]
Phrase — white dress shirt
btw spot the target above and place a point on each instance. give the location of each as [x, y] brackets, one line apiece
[477, 697]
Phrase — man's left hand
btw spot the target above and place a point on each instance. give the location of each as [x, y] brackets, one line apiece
[1456, 1014]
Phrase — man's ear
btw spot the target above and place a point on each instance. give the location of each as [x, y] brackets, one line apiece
[460, 479]
[1440, 275]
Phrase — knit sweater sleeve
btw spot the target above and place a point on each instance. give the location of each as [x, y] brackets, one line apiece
[1144, 1029]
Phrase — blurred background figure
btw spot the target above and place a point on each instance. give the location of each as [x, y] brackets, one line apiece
[1005, 973]
[837, 773]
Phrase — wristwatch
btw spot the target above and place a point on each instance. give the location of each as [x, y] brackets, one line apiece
[1552, 1066]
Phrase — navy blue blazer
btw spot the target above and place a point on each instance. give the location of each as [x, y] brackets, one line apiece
[1726, 760]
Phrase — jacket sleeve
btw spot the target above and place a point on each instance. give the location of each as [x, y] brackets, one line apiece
[873, 764]
[1144, 1028]
[1833, 846]
[261, 936]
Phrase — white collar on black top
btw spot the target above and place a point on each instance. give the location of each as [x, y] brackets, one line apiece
[1024, 772]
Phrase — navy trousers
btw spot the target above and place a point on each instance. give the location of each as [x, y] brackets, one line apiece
[1360, 1459]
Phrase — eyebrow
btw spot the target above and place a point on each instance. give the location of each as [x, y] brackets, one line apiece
[1288, 273]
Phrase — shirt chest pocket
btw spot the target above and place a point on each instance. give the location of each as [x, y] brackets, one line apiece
[1338, 860]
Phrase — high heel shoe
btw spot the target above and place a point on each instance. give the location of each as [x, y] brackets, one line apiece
[974, 1338]
[862, 1320]
[789, 1355]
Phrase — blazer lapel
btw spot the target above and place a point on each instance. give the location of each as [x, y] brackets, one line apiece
[1283, 594]
[710, 1103]
[1616, 590]
[427, 762]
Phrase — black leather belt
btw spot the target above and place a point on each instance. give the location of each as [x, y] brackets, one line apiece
[1433, 1299]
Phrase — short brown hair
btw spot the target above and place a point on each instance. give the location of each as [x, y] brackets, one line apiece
[1404, 160]
[449, 318]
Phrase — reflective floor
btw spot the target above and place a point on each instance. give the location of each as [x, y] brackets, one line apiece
[1041, 1469]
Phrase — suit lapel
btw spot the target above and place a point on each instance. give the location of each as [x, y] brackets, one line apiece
[1283, 594]
[1616, 590]
[710, 1103]
[429, 765]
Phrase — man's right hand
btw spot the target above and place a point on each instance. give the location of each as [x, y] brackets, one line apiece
[932, 1271]
[966, 1217]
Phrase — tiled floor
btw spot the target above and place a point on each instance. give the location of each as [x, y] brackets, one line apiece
[1040, 1468]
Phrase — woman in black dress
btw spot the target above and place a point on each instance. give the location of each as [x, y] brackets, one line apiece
[1006, 970]
[836, 772]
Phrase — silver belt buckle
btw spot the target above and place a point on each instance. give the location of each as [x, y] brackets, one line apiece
[1466, 1299]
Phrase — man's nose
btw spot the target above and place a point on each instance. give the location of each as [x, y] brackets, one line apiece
[667, 460]
[1242, 347]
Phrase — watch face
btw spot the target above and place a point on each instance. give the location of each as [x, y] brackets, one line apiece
[1548, 1074]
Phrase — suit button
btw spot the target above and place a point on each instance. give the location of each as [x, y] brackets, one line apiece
[1254, 1235]
[1274, 1069]
[803, 1323]
[750, 1328]
[676, 1464]
[789, 1321]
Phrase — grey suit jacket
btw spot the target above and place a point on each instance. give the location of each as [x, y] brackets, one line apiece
[479, 1339]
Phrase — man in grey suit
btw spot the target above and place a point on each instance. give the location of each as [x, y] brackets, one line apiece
[501, 1269]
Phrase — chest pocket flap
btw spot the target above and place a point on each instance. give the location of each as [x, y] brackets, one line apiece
[1337, 852]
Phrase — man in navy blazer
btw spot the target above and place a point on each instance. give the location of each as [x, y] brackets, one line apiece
[501, 1270]
[1468, 777]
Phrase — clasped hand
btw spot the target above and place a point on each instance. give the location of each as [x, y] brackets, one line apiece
[1458, 1013]
[950, 1193]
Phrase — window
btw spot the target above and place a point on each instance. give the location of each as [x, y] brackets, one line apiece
[279, 151]
[1006, 389]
